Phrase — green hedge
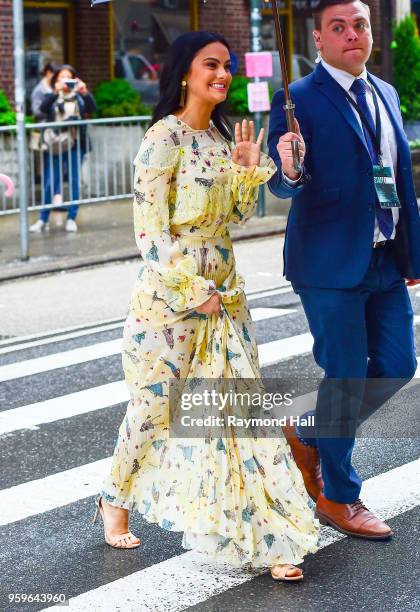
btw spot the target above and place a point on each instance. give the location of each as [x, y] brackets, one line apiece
[406, 55]
[7, 114]
[237, 100]
[117, 98]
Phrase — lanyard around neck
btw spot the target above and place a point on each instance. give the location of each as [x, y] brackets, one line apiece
[376, 137]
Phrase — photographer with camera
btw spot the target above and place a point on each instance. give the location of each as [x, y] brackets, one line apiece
[64, 148]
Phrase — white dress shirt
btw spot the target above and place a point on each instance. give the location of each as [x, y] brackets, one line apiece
[389, 140]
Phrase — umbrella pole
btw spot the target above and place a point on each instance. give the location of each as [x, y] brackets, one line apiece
[289, 106]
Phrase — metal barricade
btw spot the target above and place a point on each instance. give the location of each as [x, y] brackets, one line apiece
[72, 162]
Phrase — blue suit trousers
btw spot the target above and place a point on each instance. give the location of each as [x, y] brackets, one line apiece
[363, 336]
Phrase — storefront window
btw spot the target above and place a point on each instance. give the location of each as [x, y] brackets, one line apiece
[144, 29]
[148, 27]
[45, 41]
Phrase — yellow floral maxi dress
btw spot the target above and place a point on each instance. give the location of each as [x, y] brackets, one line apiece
[238, 500]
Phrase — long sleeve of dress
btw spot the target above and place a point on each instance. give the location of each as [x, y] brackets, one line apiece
[169, 274]
[245, 185]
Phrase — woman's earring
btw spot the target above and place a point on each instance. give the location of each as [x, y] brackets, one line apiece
[183, 93]
[318, 58]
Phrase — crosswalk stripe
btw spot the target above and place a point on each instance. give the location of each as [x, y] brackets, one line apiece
[262, 314]
[62, 331]
[59, 360]
[59, 338]
[92, 352]
[53, 491]
[102, 396]
[16, 343]
[258, 314]
[112, 347]
[63, 407]
[278, 350]
[62, 488]
[191, 578]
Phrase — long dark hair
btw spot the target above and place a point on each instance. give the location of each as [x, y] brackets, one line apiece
[180, 56]
[59, 69]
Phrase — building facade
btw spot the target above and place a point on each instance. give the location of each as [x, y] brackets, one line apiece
[92, 39]
[66, 31]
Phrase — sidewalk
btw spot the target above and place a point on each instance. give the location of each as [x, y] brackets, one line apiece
[105, 235]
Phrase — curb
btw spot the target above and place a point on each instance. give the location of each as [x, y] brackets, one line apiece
[98, 261]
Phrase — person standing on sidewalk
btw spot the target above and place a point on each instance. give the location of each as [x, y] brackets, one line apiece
[237, 499]
[40, 90]
[64, 148]
[353, 237]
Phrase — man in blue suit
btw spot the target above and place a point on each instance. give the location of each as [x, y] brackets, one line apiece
[353, 237]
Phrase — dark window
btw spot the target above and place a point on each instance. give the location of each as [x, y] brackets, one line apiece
[119, 69]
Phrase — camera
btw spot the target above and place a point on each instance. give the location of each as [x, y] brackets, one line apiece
[71, 83]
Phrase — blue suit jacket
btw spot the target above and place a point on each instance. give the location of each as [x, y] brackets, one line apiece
[330, 227]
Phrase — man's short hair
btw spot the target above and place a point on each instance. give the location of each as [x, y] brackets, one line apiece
[324, 4]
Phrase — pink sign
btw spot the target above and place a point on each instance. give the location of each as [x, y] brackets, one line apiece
[258, 97]
[259, 64]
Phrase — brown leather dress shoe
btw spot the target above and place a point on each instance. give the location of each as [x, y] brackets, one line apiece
[352, 519]
[307, 460]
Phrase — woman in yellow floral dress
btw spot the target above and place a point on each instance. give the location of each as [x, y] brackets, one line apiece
[240, 500]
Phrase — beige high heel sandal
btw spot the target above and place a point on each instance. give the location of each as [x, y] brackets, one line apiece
[118, 538]
[284, 570]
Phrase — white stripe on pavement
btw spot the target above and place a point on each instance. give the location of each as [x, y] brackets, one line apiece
[54, 491]
[262, 314]
[278, 350]
[103, 396]
[92, 352]
[60, 331]
[190, 578]
[59, 360]
[65, 359]
[21, 342]
[59, 338]
[64, 407]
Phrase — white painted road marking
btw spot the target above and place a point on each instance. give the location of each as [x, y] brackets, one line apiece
[268, 351]
[92, 352]
[111, 394]
[190, 578]
[23, 342]
[262, 314]
[64, 407]
[103, 396]
[59, 338]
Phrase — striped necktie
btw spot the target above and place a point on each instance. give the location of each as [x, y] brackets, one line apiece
[384, 216]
